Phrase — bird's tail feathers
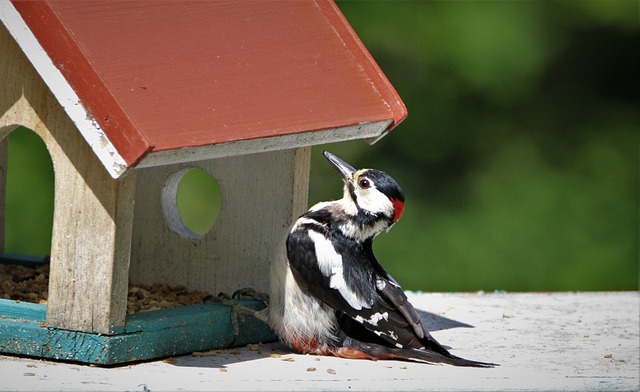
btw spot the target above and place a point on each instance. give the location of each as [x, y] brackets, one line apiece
[377, 351]
[433, 357]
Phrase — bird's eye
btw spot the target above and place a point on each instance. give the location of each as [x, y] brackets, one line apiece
[364, 183]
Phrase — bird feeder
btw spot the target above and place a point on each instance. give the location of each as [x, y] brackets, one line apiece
[127, 96]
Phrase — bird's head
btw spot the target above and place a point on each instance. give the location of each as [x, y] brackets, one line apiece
[371, 194]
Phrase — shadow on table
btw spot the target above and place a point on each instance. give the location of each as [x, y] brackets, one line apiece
[434, 322]
[224, 357]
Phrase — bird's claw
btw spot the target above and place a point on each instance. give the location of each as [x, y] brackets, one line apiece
[238, 312]
[248, 292]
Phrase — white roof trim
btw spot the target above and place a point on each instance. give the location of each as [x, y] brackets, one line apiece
[64, 93]
[373, 131]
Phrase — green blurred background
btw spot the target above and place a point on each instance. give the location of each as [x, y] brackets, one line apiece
[519, 158]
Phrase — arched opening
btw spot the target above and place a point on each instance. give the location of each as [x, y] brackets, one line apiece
[26, 216]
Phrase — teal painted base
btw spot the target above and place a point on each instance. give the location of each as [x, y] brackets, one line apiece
[148, 335]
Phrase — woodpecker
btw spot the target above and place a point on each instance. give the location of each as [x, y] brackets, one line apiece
[330, 296]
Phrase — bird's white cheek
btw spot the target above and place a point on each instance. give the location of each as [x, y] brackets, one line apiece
[374, 201]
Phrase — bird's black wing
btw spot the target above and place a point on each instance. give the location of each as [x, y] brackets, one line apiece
[318, 269]
[345, 275]
[414, 334]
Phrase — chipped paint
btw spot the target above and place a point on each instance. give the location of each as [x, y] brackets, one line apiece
[64, 93]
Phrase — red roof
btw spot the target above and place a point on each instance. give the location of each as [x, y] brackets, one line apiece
[165, 75]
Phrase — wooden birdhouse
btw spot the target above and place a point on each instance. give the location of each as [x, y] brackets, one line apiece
[127, 96]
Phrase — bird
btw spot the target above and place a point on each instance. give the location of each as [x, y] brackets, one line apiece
[330, 295]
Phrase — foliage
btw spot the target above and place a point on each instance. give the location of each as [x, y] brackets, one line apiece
[29, 198]
[519, 158]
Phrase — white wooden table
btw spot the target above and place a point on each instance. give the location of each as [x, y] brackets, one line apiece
[543, 341]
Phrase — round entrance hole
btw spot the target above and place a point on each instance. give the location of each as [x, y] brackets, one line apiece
[191, 201]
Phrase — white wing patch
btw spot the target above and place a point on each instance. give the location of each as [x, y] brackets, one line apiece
[374, 319]
[330, 264]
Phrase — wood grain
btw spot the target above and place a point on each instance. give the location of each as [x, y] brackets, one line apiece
[92, 212]
[261, 195]
[148, 335]
[169, 75]
[4, 149]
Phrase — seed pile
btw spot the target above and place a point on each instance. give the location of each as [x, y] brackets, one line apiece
[31, 284]
[144, 298]
[22, 283]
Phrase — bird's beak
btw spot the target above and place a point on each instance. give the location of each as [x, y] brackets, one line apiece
[341, 166]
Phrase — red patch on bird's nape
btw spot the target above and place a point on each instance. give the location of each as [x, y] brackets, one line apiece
[398, 209]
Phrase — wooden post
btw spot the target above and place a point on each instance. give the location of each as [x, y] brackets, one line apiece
[300, 188]
[90, 252]
[8, 97]
[92, 212]
[261, 195]
[4, 147]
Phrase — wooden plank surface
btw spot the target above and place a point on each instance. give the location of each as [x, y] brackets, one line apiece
[168, 75]
[543, 342]
[148, 335]
[23, 310]
[238, 250]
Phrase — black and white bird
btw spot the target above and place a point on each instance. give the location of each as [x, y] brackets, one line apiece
[330, 296]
